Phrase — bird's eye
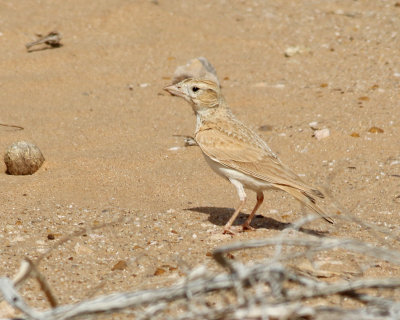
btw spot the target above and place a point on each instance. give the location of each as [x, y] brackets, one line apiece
[194, 89]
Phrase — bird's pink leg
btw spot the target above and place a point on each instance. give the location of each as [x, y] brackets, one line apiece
[242, 197]
[228, 226]
[246, 224]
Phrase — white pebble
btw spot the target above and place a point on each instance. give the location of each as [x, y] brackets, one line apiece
[291, 51]
[321, 134]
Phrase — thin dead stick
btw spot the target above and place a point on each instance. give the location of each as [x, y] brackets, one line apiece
[12, 296]
[120, 301]
[52, 39]
[319, 244]
[27, 269]
[271, 277]
[11, 126]
[337, 288]
[44, 286]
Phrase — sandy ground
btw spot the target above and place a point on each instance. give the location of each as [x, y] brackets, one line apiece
[96, 109]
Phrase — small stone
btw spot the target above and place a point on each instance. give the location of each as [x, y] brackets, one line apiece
[355, 135]
[51, 236]
[313, 125]
[120, 265]
[321, 134]
[375, 130]
[23, 158]
[159, 272]
[291, 51]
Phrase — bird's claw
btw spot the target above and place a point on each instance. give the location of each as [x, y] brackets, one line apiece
[229, 231]
[235, 230]
[247, 227]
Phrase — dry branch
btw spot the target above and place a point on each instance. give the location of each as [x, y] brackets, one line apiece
[259, 289]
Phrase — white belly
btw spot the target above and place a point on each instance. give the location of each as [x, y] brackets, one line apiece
[247, 181]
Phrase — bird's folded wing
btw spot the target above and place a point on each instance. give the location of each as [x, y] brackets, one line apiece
[250, 158]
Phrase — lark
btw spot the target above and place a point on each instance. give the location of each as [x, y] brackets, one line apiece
[239, 154]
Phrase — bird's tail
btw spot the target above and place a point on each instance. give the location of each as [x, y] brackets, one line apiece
[308, 199]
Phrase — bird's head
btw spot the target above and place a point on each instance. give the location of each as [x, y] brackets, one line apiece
[203, 95]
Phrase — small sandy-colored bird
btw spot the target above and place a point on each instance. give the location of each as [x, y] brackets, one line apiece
[237, 153]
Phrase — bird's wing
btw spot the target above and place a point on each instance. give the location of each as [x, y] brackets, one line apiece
[249, 154]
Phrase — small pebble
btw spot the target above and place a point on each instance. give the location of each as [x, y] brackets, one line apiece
[375, 130]
[51, 236]
[321, 134]
[120, 265]
[291, 51]
[159, 272]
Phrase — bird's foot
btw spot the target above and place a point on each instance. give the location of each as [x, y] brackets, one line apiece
[237, 229]
[247, 227]
[229, 230]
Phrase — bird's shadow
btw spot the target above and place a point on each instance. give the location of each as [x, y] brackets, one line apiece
[220, 216]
